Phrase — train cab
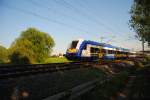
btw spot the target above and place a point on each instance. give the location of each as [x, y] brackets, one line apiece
[83, 50]
[73, 49]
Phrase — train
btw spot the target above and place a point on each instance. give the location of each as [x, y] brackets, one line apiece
[87, 50]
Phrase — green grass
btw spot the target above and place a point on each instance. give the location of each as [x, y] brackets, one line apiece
[56, 60]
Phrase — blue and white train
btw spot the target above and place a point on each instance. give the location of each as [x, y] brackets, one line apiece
[87, 50]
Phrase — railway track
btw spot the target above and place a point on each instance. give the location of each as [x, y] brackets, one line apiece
[12, 71]
[9, 74]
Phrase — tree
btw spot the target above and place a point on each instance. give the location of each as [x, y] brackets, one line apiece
[140, 20]
[32, 46]
[3, 55]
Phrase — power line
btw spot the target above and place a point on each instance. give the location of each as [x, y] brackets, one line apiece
[82, 3]
[86, 14]
[70, 6]
[54, 11]
[42, 17]
[93, 13]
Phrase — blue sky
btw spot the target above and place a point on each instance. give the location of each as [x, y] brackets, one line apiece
[66, 20]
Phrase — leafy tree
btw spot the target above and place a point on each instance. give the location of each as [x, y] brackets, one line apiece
[32, 46]
[140, 20]
[3, 55]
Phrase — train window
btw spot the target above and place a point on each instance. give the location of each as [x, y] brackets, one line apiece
[97, 50]
[103, 51]
[94, 50]
[113, 52]
[118, 52]
[110, 51]
[74, 44]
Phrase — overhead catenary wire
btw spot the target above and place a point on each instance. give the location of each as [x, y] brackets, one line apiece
[85, 14]
[36, 3]
[82, 13]
[43, 17]
[62, 14]
[82, 3]
[47, 18]
[87, 9]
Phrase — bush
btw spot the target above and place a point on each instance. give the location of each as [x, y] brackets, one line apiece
[3, 55]
[17, 58]
[32, 46]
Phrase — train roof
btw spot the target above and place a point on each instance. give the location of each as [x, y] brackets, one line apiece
[106, 45]
[94, 43]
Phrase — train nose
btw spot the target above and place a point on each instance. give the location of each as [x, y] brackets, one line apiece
[71, 50]
[71, 56]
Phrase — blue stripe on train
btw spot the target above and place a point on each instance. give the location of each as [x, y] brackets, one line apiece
[108, 57]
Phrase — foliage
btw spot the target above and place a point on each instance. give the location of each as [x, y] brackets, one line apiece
[3, 55]
[18, 58]
[147, 59]
[140, 19]
[31, 46]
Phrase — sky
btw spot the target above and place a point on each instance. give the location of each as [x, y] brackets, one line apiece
[67, 20]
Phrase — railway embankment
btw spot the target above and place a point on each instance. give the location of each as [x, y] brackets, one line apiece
[44, 85]
[131, 84]
[138, 86]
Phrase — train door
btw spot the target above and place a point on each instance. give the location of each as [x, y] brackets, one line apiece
[100, 54]
[85, 52]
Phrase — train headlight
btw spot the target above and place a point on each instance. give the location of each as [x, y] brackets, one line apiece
[72, 50]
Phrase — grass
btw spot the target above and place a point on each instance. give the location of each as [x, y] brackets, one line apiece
[57, 60]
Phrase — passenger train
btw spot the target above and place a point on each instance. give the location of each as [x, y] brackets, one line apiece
[86, 50]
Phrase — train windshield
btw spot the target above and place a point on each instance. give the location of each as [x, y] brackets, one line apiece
[74, 44]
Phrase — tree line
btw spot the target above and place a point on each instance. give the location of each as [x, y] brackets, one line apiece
[140, 20]
[32, 46]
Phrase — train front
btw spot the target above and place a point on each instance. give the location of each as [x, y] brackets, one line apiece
[72, 52]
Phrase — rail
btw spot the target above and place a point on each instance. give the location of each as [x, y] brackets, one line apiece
[12, 71]
[77, 91]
